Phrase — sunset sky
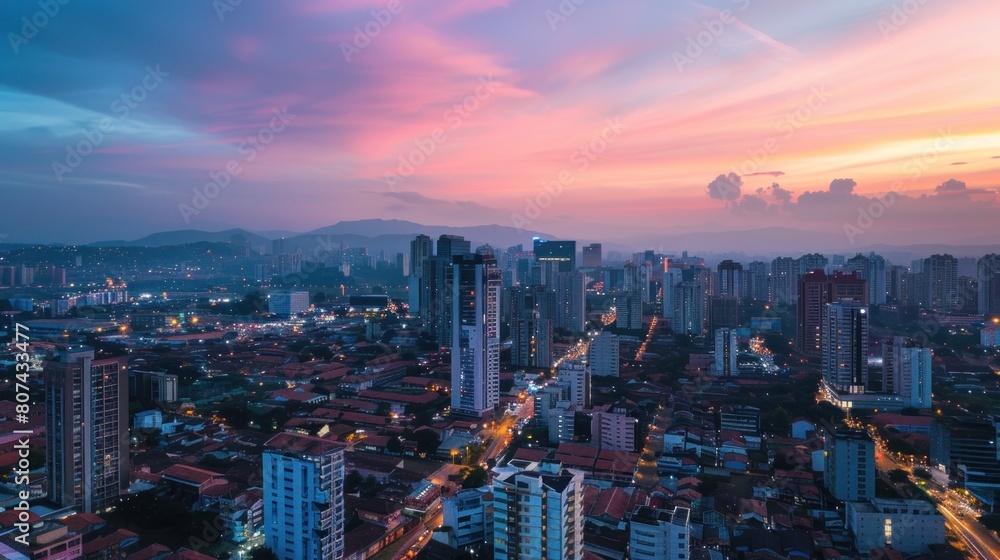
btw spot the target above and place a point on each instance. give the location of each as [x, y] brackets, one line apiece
[637, 107]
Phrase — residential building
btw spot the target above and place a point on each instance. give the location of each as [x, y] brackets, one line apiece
[816, 289]
[531, 313]
[592, 255]
[304, 497]
[538, 512]
[988, 274]
[475, 356]
[941, 282]
[850, 465]
[845, 347]
[571, 302]
[86, 421]
[577, 376]
[604, 355]
[469, 513]
[725, 353]
[909, 526]
[658, 534]
[563, 253]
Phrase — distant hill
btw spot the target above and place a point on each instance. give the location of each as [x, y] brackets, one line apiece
[391, 236]
[186, 236]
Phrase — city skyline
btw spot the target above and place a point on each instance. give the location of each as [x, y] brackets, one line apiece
[671, 126]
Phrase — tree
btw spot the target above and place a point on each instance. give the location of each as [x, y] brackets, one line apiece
[922, 473]
[353, 481]
[369, 488]
[898, 476]
[394, 445]
[475, 477]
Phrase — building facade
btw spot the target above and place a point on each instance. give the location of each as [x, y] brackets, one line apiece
[86, 420]
[304, 497]
[475, 356]
[538, 512]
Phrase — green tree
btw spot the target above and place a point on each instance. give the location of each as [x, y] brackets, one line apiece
[475, 477]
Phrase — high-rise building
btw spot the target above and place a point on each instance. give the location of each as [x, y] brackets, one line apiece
[730, 281]
[604, 355]
[450, 246]
[437, 288]
[725, 353]
[658, 534]
[988, 274]
[592, 255]
[812, 261]
[845, 347]
[571, 301]
[784, 285]
[577, 376]
[538, 512]
[628, 314]
[86, 422]
[563, 253]
[872, 270]
[469, 513]
[900, 285]
[941, 281]
[475, 356]
[907, 372]
[816, 289]
[909, 526]
[287, 304]
[850, 465]
[304, 497]
[758, 274]
[421, 249]
[532, 310]
[724, 312]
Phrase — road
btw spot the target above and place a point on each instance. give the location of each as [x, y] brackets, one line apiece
[979, 540]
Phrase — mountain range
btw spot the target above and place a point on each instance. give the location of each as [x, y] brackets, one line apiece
[392, 236]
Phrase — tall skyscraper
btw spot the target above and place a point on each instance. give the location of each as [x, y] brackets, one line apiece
[872, 270]
[730, 280]
[899, 285]
[658, 534]
[758, 281]
[475, 355]
[845, 346]
[531, 313]
[421, 249]
[628, 308]
[450, 246]
[689, 304]
[436, 291]
[538, 512]
[86, 422]
[561, 252]
[571, 300]
[784, 284]
[725, 353]
[816, 289]
[850, 465]
[988, 274]
[907, 372]
[592, 255]
[941, 281]
[604, 355]
[304, 497]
